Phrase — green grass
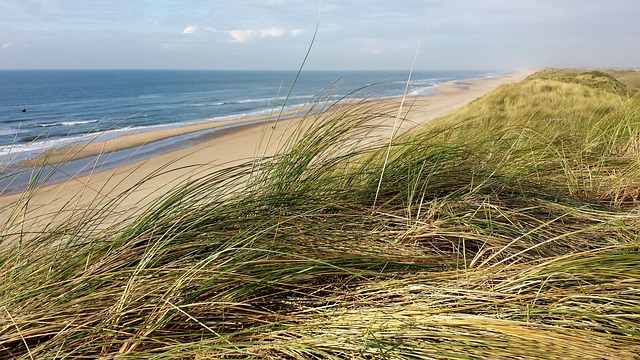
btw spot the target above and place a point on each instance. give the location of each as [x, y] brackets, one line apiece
[508, 229]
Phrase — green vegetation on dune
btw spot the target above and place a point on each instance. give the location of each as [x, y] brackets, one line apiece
[594, 79]
[579, 138]
[508, 229]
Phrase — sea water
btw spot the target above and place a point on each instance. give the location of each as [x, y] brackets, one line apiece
[43, 109]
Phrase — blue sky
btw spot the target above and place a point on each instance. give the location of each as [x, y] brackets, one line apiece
[352, 35]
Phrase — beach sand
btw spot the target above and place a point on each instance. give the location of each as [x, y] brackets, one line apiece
[56, 203]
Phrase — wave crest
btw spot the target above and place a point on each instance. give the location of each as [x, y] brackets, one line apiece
[68, 123]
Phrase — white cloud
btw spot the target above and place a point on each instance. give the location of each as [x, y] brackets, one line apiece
[190, 30]
[247, 35]
[6, 46]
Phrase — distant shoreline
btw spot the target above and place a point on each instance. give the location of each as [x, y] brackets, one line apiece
[207, 143]
[84, 106]
[208, 129]
[128, 141]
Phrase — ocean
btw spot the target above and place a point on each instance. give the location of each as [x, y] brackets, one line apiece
[43, 109]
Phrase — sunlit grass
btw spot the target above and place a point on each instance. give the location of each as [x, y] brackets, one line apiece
[507, 229]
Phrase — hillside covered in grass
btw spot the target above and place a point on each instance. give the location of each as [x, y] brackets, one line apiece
[508, 229]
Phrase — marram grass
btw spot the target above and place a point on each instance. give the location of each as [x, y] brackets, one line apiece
[508, 229]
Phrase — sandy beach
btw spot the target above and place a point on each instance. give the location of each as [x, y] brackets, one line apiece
[239, 141]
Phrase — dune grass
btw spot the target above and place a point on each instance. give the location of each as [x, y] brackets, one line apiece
[508, 229]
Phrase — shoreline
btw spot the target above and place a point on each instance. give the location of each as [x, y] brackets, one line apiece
[241, 141]
[84, 150]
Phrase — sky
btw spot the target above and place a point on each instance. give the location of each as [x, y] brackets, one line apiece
[351, 34]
